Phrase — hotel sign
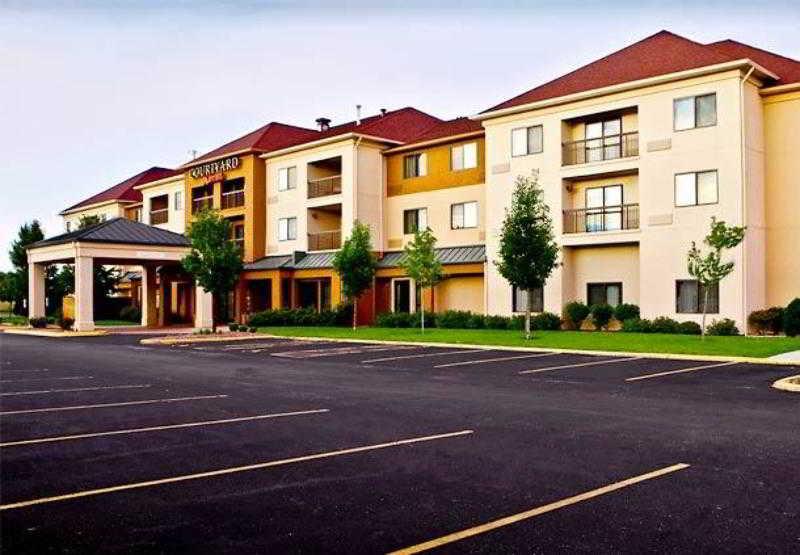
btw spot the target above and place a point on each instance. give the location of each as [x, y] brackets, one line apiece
[215, 168]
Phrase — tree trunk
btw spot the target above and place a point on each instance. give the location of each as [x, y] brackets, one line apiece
[705, 307]
[355, 312]
[528, 316]
[422, 304]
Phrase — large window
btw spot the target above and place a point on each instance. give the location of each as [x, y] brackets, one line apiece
[695, 188]
[237, 234]
[287, 229]
[415, 165]
[414, 220]
[690, 297]
[604, 208]
[287, 178]
[464, 215]
[519, 299]
[603, 140]
[527, 140]
[604, 293]
[463, 157]
[695, 111]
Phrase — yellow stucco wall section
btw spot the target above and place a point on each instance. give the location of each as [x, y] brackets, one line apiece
[439, 175]
[460, 293]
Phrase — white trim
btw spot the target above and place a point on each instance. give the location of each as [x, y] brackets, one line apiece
[158, 182]
[327, 140]
[82, 208]
[412, 294]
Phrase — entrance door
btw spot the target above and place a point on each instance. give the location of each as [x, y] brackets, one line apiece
[402, 295]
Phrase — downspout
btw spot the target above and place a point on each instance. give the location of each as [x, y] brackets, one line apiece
[743, 145]
[355, 179]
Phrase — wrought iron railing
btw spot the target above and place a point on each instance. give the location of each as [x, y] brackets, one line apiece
[610, 147]
[160, 216]
[609, 218]
[325, 186]
[324, 240]
[202, 203]
[233, 199]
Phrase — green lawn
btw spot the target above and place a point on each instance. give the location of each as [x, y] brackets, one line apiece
[114, 323]
[599, 341]
[14, 319]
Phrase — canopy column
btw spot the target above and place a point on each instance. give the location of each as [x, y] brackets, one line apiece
[84, 293]
[36, 293]
[203, 308]
[149, 312]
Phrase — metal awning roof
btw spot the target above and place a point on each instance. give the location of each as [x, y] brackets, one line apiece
[118, 230]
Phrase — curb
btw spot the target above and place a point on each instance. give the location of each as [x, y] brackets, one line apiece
[56, 334]
[196, 339]
[792, 383]
[666, 356]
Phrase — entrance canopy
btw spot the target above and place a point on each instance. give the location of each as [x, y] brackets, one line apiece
[115, 242]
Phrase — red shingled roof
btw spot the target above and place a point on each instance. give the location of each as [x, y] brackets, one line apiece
[272, 136]
[656, 55]
[125, 191]
[450, 128]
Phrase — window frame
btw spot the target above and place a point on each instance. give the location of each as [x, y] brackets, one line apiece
[605, 285]
[416, 211]
[516, 309]
[289, 186]
[421, 165]
[177, 200]
[700, 300]
[464, 215]
[462, 147]
[696, 189]
[528, 150]
[288, 220]
[694, 98]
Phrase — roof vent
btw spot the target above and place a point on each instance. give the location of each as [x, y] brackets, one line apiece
[323, 123]
[383, 112]
[358, 114]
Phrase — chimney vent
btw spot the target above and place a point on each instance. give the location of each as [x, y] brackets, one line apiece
[323, 123]
[358, 114]
[383, 112]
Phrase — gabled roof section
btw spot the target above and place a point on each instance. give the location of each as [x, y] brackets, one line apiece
[450, 128]
[118, 230]
[272, 136]
[787, 69]
[124, 191]
[653, 56]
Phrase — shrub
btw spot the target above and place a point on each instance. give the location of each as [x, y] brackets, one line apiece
[689, 328]
[624, 312]
[66, 323]
[637, 325]
[341, 315]
[456, 319]
[575, 313]
[546, 321]
[233, 326]
[791, 318]
[769, 320]
[498, 322]
[726, 326]
[601, 314]
[252, 329]
[476, 322]
[130, 314]
[393, 320]
[40, 322]
[517, 323]
[662, 324]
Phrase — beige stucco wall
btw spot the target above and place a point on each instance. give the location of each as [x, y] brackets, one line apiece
[602, 264]
[106, 211]
[177, 219]
[460, 293]
[782, 197]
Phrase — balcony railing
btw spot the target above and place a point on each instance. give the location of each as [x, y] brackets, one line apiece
[609, 218]
[325, 186]
[160, 216]
[596, 150]
[202, 203]
[233, 199]
[324, 240]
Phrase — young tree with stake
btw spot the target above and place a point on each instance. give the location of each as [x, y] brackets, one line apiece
[709, 269]
[356, 263]
[214, 261]
[528, 252]
[420, 263]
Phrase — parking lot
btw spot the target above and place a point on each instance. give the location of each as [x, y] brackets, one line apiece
[271, 445]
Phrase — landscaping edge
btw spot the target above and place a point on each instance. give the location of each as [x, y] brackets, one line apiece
[53, 333]
[791, 383]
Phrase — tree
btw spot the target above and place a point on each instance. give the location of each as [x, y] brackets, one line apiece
[88, 221]
[28, 234]
[420, 263]
[709, 269]
[528, 253]
[214, 261]
[356, 263]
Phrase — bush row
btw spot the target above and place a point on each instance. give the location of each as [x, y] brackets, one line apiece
[342, 315]
[777, 319]
[464, 319]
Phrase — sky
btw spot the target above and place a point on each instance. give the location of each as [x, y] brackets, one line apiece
[94, 92]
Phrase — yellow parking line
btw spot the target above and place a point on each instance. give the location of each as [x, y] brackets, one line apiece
[17, 380]
[679, 371]
[104, 405]
[499, 359]
[578, 365]
[158, 428]
[71, 389]
[462, 352]
[231, 470]
[505, 521]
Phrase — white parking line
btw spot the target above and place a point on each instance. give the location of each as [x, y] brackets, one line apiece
[462, 352]
[71, 389]
[512, 519]
[105, 405]
[592, 363]
[158, 428]
[43, 379]
[500, 359]
[333, 351]
[230, 470]
[679, 371]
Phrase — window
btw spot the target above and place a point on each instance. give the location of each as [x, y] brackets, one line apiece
[415, 165]
[527, 140]
[463, 157]
[604, 208]
[519, 299]
[287, 229]
[603, 140]
[69, 227]
[696, 188]
[604, 293]
[695, 111]
[464, 215]
[414, 220]
[287, 178]
[178, 200]
[690, 297]
[237, 234]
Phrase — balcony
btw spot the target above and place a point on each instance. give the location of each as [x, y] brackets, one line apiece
[202, 203]
[160, 216]
[609, 218]
[232, 199]
[610, 147]
[324, 240]
[325, 186]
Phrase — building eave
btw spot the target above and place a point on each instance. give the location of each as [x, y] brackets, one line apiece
[325, 141]
[433, 142]
[780, 89]
[159, 182]
[94, 205]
